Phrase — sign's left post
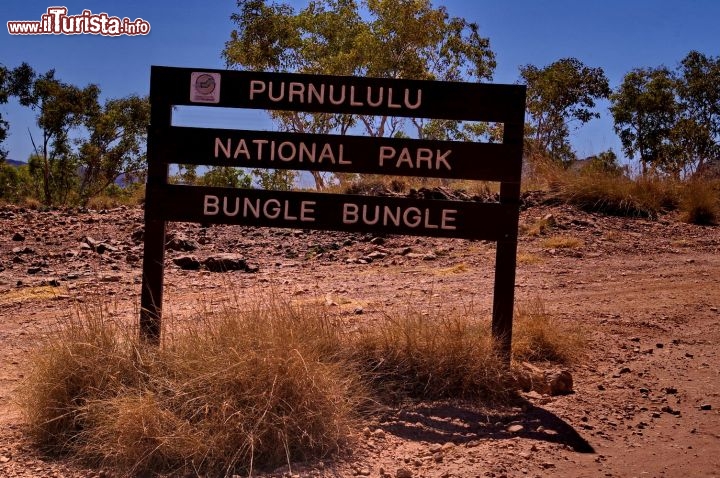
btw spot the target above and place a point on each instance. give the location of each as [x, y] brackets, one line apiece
[151, 298]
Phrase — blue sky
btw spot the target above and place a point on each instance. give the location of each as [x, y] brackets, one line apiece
[617, 35]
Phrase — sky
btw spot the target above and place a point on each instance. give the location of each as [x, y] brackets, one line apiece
[616, 35]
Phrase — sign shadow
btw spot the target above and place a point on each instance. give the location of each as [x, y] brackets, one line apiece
[468, 424]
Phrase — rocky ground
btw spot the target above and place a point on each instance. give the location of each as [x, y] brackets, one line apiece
[647, 394]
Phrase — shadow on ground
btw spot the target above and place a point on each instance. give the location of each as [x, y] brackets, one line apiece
[466, 423]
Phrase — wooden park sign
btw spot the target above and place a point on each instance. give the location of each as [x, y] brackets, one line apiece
[169, 144]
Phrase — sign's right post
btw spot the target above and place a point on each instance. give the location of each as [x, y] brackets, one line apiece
[506, 252]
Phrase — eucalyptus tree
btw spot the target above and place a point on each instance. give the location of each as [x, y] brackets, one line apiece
[558, 95]
[403, 39]
[645, 111]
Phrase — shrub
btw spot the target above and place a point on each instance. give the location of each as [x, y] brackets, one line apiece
[237, 392]
[418, 356]
[252, 389]
[700, 202]
[538, 337]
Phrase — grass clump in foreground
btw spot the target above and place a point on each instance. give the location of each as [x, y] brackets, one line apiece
[235, 393]
[254, 389]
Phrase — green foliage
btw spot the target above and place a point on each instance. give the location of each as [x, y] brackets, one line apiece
[4, 94]
[85, 146]
[275, 179]
[226, 177]
[558, 94]
[670, 120]
[408, 39]
[603, 163]
[645, 110]
[115, 146]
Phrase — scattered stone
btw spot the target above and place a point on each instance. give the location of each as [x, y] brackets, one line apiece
[376, 255]
[102, 248]
[670, 410]
[705, 406]
[4, 459]
[517, 428]
[90, 242]
[403, 473]
[555, 382]
[18, 237]
[429, 257]
[358, 311]
[561, 383]
[377, 241]
[111, 278]
[187, 263]
[23, 250]
[33, 270]
[179, 242]
[671, 390]
[225, 262]
[138, 235]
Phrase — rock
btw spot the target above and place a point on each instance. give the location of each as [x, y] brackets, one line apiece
[102, 248]
[358, 311]
[181, 243]
[18, 237]
[33, 270]
[23, 250]
[554, 382]
[429, 257]
[561, 383]
[705, 406]
[517, 428]
[377, 241]
[138, 235]
[225, 263]
[90, 242]
[403, 473]
[188, 263]
[376, 255]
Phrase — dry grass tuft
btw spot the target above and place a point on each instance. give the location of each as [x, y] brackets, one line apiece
[562, 242]
[273, 384]
[417, 356]
[613, 194]
[538, 337]
[700, 203]
[238, 392]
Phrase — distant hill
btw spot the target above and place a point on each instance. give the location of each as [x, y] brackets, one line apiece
[14, 163]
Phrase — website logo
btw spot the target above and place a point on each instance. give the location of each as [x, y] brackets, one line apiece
[56, 21]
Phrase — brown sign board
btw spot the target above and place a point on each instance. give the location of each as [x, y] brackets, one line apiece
[340, 154]
[167, 144]
[336, 212]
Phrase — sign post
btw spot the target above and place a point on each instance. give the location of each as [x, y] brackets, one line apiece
[169, 144]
